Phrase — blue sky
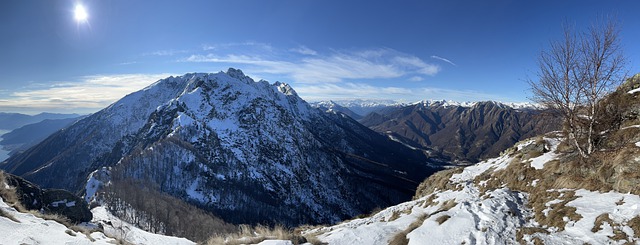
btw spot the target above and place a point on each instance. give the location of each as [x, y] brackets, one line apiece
[400, 50]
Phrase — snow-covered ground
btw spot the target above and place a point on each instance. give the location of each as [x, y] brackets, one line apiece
[469, 213]
[33, 230]
[117, 228]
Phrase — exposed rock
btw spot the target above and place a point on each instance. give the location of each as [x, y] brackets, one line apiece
[52, 201]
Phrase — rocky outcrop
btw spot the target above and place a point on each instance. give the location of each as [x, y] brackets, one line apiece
[49, 201]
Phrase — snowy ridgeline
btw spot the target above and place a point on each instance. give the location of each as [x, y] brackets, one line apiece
[25, 228]
[472, 213]
[363, 107]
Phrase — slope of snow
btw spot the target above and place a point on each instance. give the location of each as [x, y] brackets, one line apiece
[467, 213]
[34, 230]
[117, 228]
[633, 91]
[538, 162]
[619, 207]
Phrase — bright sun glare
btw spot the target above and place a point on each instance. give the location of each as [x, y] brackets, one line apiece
[80, 13]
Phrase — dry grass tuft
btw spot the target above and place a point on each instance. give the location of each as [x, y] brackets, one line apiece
[54, 217]
[400, 238]
[448, 204]
[442, 219]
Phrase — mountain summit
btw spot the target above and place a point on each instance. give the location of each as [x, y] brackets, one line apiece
[247, 151]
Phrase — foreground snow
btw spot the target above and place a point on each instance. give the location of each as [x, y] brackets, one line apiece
[115, 227]
[33, 230]
[470, 213]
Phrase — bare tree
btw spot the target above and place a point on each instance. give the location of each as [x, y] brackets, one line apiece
[575, 74]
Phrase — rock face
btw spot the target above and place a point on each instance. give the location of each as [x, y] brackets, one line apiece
[53, 201]
[464, 133]
[248, 151]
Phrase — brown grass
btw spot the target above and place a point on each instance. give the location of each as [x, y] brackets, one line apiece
[635, 226]
[437, 181]
[400, 238]
[9, 195]
[520, 233]
[618, 234]
[54, 217]
[442, 219]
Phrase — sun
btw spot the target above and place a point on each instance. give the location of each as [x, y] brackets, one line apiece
[80, 13]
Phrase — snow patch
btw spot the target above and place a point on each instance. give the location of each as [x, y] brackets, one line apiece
[538, 162]
[633, 91]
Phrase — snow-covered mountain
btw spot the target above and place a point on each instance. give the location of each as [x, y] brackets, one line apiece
[247, 151]
[360, 107]
[331, 106]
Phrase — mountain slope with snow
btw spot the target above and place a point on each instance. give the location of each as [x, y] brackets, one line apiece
[540, 191]
[511, 199]
[247, 151]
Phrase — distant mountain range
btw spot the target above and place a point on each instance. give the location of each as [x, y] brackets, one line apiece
[463, 132]
[357, 108]
[247, 151]
[31, 134]
[11, 121]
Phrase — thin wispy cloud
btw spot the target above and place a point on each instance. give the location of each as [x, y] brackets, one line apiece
[128, 63]
[318, 92]
[250, 45]
[170, 52]
[443, 59]
[304, 50]
[416, 79]
[335, 67]
[88, 94]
